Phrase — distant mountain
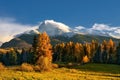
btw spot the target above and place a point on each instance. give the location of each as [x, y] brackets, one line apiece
[60, 32]
[26, 40]
[54, 28]
[16, 43]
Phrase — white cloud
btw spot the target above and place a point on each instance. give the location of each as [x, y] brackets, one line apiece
[100, 27]
[9, 28]
[79, 28]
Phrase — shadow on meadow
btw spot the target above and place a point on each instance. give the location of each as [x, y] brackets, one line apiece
[104, 68]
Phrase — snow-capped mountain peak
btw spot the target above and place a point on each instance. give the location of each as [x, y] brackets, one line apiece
[53, 28]
[34, 31]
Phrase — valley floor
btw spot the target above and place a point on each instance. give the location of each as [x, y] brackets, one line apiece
[84, 72]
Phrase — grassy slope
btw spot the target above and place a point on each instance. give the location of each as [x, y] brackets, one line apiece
[84, 72]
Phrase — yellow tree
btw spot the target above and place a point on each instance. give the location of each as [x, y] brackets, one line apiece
[87, 49]
[94, 46]
[111, 43]
[111, 52]
[79, 52]
[44, 52]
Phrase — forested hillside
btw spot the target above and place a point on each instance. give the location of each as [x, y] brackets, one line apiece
[77, 49]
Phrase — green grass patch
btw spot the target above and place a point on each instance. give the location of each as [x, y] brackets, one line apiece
[108, 68]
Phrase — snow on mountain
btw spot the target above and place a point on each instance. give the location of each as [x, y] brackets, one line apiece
[57, 28]
[80, 30]
[100, 29]
[34, 31]
[31, 31]
[106, 30]
[54, 28]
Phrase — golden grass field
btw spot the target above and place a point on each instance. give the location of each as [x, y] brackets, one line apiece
[83, 72]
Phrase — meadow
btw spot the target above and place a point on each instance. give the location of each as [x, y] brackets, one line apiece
[82, 72]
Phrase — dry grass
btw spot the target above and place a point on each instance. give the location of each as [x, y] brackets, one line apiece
[55, 65]
[2, 67]
[59, 74]
[26, 67]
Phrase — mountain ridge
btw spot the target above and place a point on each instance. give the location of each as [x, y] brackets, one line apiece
[54, 28]
[57, 29]
[26, 40]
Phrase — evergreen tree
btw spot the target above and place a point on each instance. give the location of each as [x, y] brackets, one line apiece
[11, 57]
[98, 55]
[34, 45]
[105, 55]
[118, 54]
[24, 56]
[59, 52]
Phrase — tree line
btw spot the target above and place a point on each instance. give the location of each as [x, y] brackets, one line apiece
[43, 53]
[106, 52]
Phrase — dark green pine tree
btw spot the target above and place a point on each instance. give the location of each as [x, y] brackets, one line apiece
[24, 56]
[104, 56]
[105, 52]
[118, 54]
[98, 55]
[111, 51]
[12, 57]
[34, 45]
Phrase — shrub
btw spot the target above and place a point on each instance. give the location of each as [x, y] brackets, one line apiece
[73, 71]
[26, 67]
[55, 65]
[70, 64]
[44, 63]
[85, 59]
[37, 68]
[2, 67]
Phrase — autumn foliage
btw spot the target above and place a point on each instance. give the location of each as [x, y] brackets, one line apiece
[43, 52]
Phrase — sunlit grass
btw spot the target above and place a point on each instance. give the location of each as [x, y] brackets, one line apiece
[84, 72]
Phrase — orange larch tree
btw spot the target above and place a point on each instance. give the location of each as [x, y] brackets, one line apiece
[44, 52]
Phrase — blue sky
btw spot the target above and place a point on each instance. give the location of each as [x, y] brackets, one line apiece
[70, 12]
